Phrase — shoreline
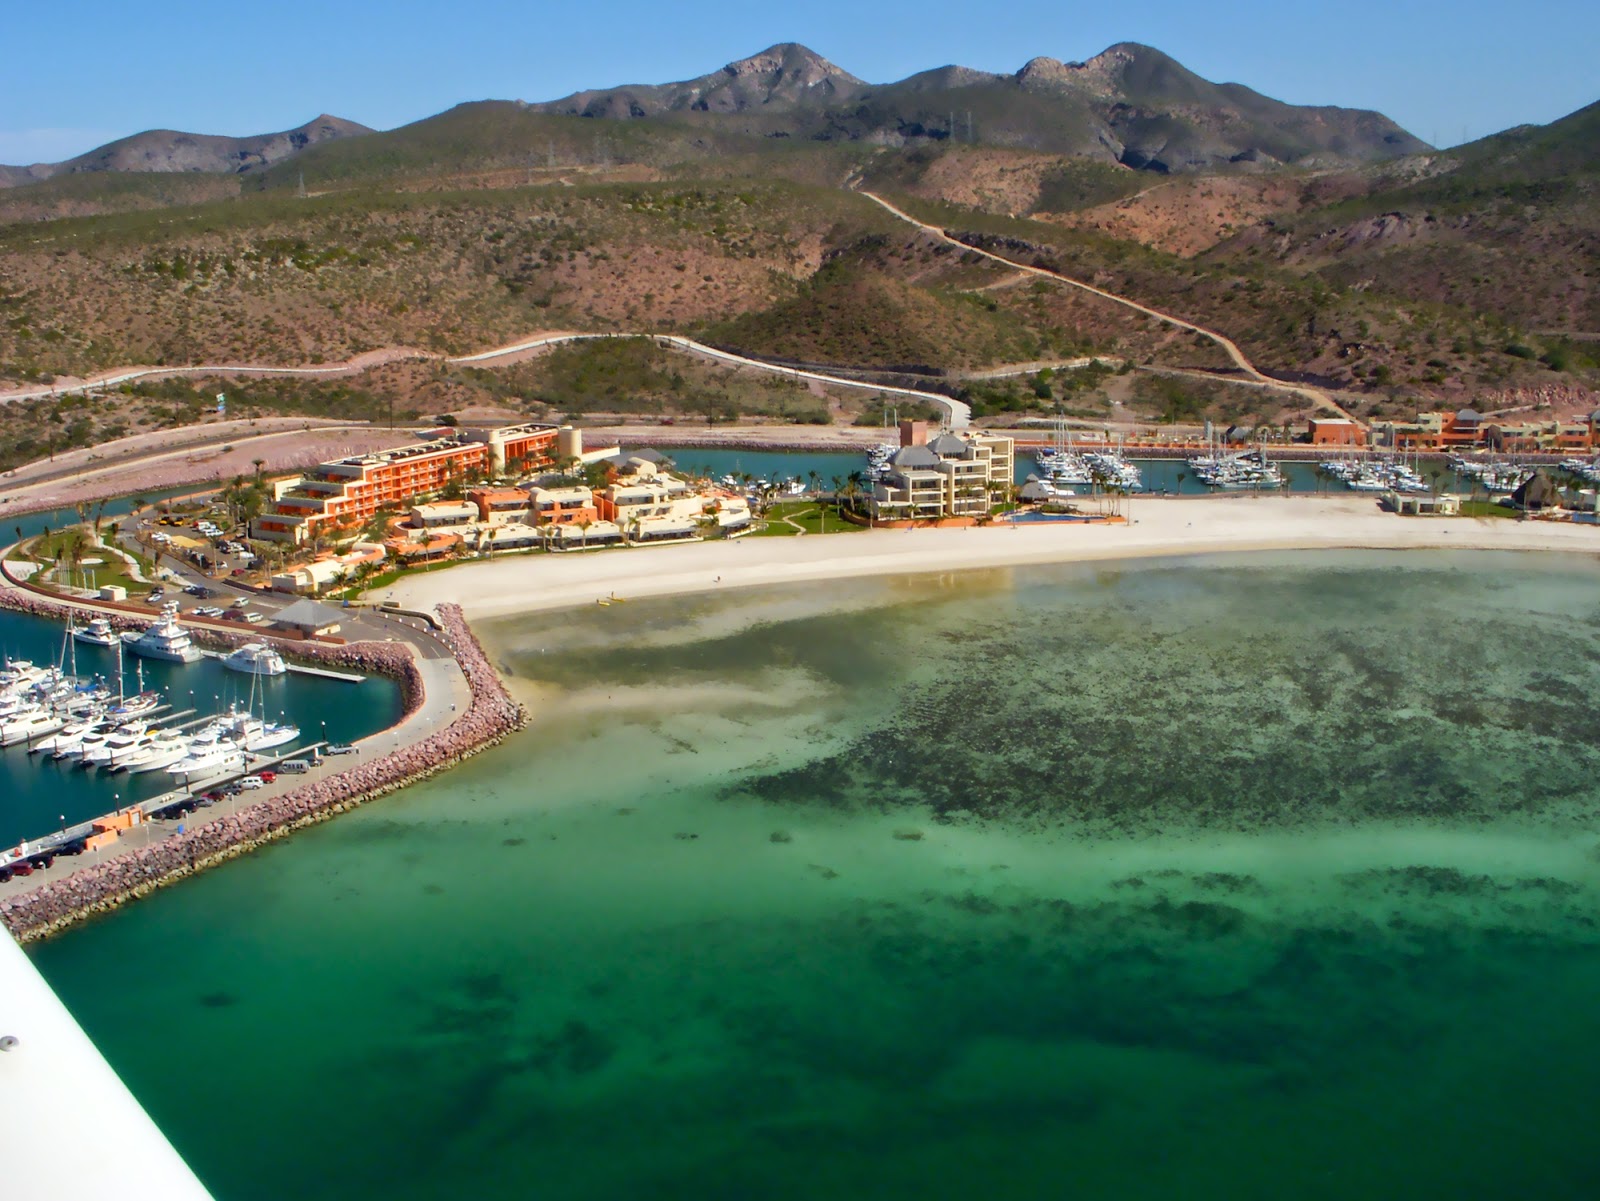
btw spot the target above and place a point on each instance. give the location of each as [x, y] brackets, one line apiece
[490, 716]
[520, 584]
[1157, 528]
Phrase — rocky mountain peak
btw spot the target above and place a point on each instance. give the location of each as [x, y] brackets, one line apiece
[794, 62]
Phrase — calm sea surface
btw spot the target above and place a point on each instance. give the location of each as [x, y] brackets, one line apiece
[1260, 877]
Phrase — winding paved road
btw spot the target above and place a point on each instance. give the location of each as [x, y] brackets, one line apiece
[958, 415]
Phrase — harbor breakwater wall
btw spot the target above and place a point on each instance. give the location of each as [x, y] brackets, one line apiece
[490, 716]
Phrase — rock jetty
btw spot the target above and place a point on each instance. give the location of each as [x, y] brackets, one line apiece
[491, 715]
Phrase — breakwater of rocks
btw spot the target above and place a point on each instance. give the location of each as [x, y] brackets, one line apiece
[490, 716]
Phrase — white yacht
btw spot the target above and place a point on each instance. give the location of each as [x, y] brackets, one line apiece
[165, 639]
[165, 748]
[134, 705]
[117, 744]
[71, 733]
[256, 659]
[31, 723]
[215, 760]
[257, 733]
[73, 747]
[97, 633]
[19, 674]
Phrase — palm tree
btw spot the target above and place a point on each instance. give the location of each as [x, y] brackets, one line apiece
[856, 480]
[258, 464]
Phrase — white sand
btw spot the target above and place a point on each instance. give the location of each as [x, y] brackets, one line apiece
[530, 583]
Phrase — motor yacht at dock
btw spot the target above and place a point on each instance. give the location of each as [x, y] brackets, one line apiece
[256, 659]
[164, 748]
[107, 752]
[217, 759]
[97, 633]
[71, 734]
[35, 722]
[257, 733]
[165, 639]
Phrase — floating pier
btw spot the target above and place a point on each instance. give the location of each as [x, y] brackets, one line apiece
[348, 677]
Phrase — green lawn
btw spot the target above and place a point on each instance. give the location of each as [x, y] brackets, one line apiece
[113, 569]
[1487, 508]
[808, 516]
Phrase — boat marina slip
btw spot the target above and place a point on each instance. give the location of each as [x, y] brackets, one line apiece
[106, 746]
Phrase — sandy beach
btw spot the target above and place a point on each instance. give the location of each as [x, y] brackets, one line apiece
[529, 583]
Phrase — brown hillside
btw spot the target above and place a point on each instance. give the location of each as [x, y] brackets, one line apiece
[284, 281]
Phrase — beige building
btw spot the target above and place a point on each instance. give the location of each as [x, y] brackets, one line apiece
[442, 515]
[952, 475]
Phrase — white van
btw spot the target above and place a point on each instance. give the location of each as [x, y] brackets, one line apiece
[294, 766]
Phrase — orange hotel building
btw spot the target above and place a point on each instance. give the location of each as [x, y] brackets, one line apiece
[345, 493]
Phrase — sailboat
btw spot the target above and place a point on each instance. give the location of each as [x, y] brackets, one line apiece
[258, 734]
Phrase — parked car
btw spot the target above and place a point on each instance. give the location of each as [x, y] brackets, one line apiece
[342, 748]
[237, 571]
[251, 783]
[254, 618]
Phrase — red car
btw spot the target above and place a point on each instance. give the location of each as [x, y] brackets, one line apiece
[267, 777]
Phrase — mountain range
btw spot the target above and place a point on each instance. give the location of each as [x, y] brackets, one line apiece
[166, 151]
[1131, 105]
[1327, 242]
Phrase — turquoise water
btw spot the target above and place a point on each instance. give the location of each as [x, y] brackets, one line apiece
[37, 795]
[55, 519]
[1160, 475]
[1259, 877]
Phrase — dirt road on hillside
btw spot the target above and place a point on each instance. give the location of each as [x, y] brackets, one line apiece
[1317, 397]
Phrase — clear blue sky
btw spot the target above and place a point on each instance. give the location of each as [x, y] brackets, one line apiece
[80, 72]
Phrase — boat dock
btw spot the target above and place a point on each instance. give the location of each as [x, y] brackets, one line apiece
[347, 677]
[165, 804]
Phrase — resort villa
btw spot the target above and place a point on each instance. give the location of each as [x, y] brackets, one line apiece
[951, 475]
[346, 493]
[1467, 429]
[642, 501]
